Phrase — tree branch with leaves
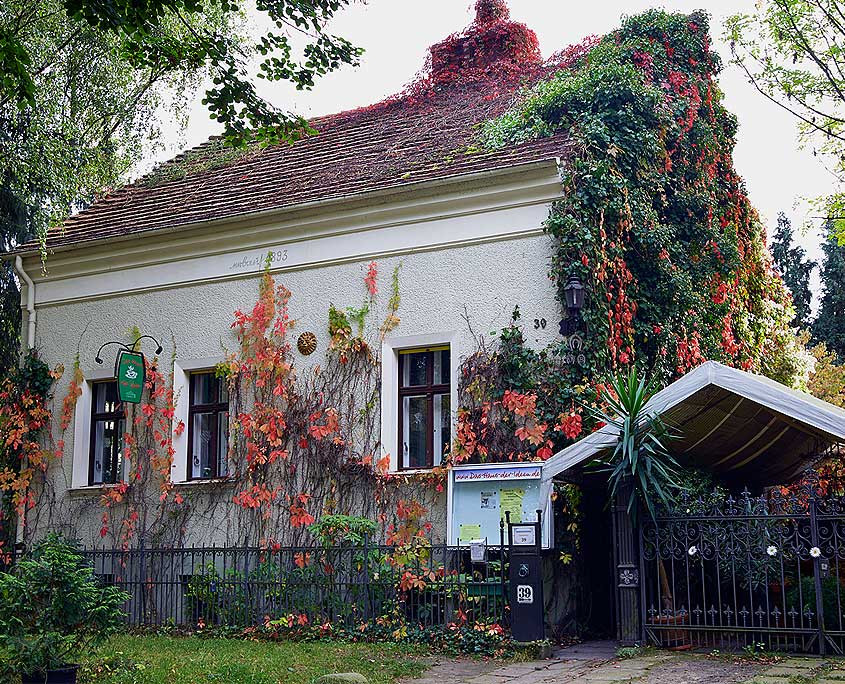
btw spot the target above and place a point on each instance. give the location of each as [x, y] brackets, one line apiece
[793, 52]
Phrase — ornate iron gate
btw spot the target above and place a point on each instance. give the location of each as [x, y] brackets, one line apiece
[749, 572]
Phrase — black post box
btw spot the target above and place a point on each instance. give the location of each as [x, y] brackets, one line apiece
[526, 580]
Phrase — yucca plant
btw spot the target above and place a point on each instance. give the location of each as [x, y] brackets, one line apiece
[641, 454]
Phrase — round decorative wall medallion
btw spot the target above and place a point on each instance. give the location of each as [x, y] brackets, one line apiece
[306, 343]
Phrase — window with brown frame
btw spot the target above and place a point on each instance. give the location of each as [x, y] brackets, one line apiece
[208, 427]
[107, 427]
[425, 415]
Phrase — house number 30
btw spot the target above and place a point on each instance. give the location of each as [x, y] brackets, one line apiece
[539, 323]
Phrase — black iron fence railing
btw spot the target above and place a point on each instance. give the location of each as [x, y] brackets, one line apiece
[748, 572]
[427, 584]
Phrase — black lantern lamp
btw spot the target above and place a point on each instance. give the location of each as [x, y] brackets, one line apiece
[573, 293]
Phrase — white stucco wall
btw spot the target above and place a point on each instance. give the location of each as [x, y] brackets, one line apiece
[485, 279]
[435, 286]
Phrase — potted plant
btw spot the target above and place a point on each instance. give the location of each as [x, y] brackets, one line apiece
[52, 610]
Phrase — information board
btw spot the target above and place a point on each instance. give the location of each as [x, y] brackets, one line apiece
[479, 496]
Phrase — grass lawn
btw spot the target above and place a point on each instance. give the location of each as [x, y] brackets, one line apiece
[191, 660]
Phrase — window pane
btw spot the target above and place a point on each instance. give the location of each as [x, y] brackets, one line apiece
[442, 426]
[415, 369]
[107, 439]
[222, 444]
[206, 388]
[105, 397]
[119, 471]
[97, 454]
[414, 432]
[441, 367]
[201, 436]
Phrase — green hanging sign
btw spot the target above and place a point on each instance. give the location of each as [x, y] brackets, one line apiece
[130, 376]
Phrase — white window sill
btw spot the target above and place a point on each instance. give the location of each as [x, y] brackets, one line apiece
[98, 488]
[211, 481]
[94, 489]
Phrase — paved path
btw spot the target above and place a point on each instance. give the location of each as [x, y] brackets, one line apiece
[596, 663]
[803, 670]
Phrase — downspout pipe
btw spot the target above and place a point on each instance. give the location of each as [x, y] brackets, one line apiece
[30, 301]
[29, 339]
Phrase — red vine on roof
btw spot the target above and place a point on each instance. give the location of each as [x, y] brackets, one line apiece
[476, 70]
[492, 48]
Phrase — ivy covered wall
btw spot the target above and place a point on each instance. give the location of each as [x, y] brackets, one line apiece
[657, 225]
[656, 220]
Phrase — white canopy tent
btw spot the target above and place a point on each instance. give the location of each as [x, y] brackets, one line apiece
[742, 426]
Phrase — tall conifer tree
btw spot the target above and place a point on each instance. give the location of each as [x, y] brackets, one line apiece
[829, 326]
[795, 269]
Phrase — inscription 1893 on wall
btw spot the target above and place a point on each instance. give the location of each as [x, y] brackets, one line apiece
[256, 261]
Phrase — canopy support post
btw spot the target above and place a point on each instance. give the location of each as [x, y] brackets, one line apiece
[626, 568]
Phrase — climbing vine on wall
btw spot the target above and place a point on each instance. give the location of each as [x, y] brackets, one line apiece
[655, 220]
[307, 443]
[24, 420]
[304, 442]
[515, 404]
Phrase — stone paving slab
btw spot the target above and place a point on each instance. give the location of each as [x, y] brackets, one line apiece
[456, 671]
[591, 650]
[604, 668]
[781, 671]
[800, 662]
[611, 676]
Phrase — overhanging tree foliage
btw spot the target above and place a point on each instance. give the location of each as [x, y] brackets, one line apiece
[86, 86]
[792, 52]
[173, 36]
[90, 114]
[84, 115]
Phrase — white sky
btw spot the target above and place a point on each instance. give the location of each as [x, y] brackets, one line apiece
[397, 33]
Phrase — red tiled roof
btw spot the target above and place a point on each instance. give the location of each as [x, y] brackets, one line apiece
[402, 141]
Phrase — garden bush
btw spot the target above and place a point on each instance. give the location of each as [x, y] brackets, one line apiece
[53, 609]
[804, 601]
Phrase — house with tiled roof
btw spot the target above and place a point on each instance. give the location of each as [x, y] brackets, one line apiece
[401, 189]
[360, 338]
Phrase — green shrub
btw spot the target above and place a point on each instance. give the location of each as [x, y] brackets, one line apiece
[806, 600]
[336, 530]
[52, 609]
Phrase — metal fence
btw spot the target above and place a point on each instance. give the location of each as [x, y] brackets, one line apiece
[752, 571]
[428, 584]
